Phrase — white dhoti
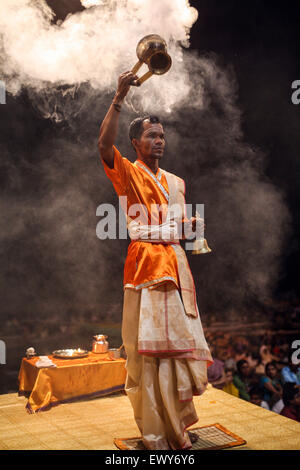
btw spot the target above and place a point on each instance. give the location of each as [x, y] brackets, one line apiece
[167, 358]
[167, 354]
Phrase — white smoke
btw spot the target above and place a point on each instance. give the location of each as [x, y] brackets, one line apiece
[73, 67]
[94, 46]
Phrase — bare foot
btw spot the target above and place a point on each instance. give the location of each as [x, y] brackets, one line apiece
[193, 437]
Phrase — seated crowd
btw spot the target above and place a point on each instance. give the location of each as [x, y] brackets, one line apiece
[268, 378]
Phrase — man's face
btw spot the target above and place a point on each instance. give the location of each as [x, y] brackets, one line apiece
[152, 141]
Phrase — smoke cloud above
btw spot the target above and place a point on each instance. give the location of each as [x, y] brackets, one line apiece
[94, 46]
[68, 71]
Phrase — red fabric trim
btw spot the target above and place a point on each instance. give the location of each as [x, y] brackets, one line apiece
[166, 314]
[191, 424]
[185, 446]
[195, 300]
[160, 242]
[196, 392]
[152, 283]
[141, 351]
[174, 355]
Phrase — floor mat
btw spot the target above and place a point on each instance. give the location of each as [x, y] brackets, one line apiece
[211, 437]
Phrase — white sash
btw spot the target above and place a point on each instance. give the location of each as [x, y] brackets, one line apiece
[187, 286]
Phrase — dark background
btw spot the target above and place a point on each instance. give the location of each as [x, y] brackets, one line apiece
[260, 40]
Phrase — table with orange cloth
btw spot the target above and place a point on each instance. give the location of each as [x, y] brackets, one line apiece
[72, 379]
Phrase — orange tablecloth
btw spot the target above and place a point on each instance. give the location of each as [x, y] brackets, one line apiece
[87, 377]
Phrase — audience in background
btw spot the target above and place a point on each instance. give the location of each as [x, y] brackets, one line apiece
[278, 407]
[291, 400]
[215, 372]
[260, 366]
[291, 373]
[253, 359]
[229, 386]
[242, 379]
[256, 397]
[270, 384]
[256, 371]
[266, 355]
[230, 363]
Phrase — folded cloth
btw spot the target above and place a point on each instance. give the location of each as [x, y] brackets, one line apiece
[44, 361]
[168, 231]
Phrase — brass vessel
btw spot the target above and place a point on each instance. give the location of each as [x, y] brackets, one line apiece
[152, 51]
[100, 345]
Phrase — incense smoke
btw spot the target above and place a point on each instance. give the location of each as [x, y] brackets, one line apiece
[68, 72]
[94, 46]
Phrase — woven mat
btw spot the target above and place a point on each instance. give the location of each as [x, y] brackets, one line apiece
[211, 437]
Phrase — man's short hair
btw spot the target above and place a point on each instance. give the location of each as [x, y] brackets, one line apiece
[136, 127]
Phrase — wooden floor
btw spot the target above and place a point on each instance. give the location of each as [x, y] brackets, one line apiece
[93, 424]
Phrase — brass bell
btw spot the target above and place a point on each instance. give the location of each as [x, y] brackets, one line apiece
[200, 247]
[151, 50]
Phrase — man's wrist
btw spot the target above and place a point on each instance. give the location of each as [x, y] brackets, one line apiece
[117, 99]
[117, 103]
[117, 107]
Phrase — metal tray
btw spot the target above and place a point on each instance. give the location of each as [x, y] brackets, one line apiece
[70, 353]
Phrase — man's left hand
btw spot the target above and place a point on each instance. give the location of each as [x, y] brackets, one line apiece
[193, 226]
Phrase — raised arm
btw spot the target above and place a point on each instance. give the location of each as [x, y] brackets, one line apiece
[109, 126]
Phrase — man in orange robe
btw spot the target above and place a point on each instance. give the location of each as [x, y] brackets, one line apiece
[167, 354]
